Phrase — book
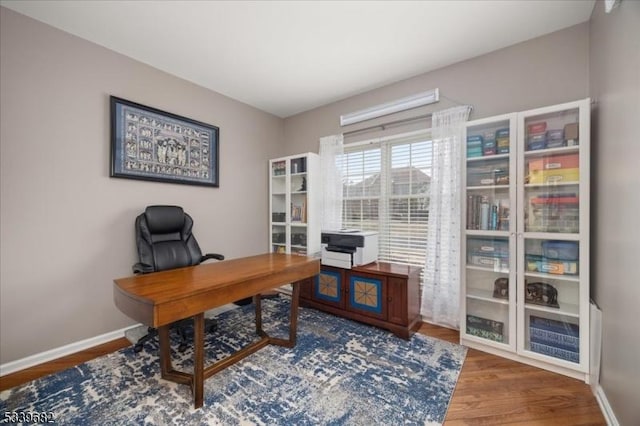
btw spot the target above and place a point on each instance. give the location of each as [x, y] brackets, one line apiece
[485, 328]
[484, 215]
[555, 352]
[552, 338]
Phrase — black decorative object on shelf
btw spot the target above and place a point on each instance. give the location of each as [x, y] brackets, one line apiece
[541, 294]
[501, 288]
[303, 186]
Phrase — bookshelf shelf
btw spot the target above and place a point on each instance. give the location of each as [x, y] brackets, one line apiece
[565, 309]
[487, 233]
[486, 296]
[484, 268]
[544, 185]
[552, 151]
[543, 276]
[526, 235]
[484, 158]
[487, 187]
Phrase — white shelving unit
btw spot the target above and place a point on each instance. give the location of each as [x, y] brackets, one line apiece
[526, 238]
[294, 204]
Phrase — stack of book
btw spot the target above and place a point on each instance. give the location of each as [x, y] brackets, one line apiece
[502, 140]
[485, 328]
[558, 339]
[492, 253]
[489, 143]
[554, 213]
[474, 146]
[555, 138]
[537, 136]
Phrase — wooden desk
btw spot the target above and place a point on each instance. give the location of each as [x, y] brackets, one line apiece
[161, 298]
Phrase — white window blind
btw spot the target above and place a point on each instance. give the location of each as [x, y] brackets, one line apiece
[386, 189]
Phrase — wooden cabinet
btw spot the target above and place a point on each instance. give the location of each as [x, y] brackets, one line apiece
[382, 294]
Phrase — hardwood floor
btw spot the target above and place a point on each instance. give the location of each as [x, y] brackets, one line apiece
[490, 390]
[24, 376]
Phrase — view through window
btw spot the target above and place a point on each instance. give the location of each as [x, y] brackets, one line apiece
[386, 189]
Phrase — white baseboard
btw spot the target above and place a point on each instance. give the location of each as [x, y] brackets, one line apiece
[50, 355]
[607, 412]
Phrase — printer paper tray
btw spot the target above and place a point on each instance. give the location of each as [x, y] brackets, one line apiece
[344, 264]
[336, 258]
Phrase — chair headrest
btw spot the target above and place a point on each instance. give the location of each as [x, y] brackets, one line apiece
[164, 219]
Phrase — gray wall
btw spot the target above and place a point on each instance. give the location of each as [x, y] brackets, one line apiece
[539, 72]
[615, 84]
[66, 227]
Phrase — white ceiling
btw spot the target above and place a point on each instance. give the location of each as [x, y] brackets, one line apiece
[287, 57]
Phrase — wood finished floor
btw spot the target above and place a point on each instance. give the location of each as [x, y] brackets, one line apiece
[490, 390]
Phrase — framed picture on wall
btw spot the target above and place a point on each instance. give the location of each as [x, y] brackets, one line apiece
[150, 144]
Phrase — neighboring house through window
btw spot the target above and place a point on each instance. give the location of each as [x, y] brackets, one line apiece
[386, 189]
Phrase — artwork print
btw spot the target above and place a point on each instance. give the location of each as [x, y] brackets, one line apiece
[150, 144]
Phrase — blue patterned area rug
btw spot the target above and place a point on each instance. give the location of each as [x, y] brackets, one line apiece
[340, 373]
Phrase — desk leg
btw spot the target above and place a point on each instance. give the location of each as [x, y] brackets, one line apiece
[257, 301]
[165, 351]
[198, 360]
[166, 369]
[293, 321]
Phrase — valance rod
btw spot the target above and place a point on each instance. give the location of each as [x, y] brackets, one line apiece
[383, 126]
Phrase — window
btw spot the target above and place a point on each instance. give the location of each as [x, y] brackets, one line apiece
[386, 189]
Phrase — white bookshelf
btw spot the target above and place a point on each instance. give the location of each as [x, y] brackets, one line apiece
[512, 229]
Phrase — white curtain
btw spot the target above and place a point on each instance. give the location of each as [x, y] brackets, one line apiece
[441, 289]
[331, 147]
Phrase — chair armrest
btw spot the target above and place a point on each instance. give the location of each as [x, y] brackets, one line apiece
[142, 268]
[211, 256]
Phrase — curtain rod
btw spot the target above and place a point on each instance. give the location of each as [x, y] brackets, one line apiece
[383, 126]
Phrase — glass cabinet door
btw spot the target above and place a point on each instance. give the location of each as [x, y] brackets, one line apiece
[489, 234]
[552, 229]
[278, 206]
[299, 205]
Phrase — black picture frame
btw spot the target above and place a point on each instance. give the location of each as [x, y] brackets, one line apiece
[154, 145]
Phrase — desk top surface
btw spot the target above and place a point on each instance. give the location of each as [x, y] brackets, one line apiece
[159, 287]
[164, 297]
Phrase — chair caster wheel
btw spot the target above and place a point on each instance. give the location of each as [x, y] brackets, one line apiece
[137, 348]
[182, 347]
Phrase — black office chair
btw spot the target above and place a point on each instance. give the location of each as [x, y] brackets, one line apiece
[165, 241]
